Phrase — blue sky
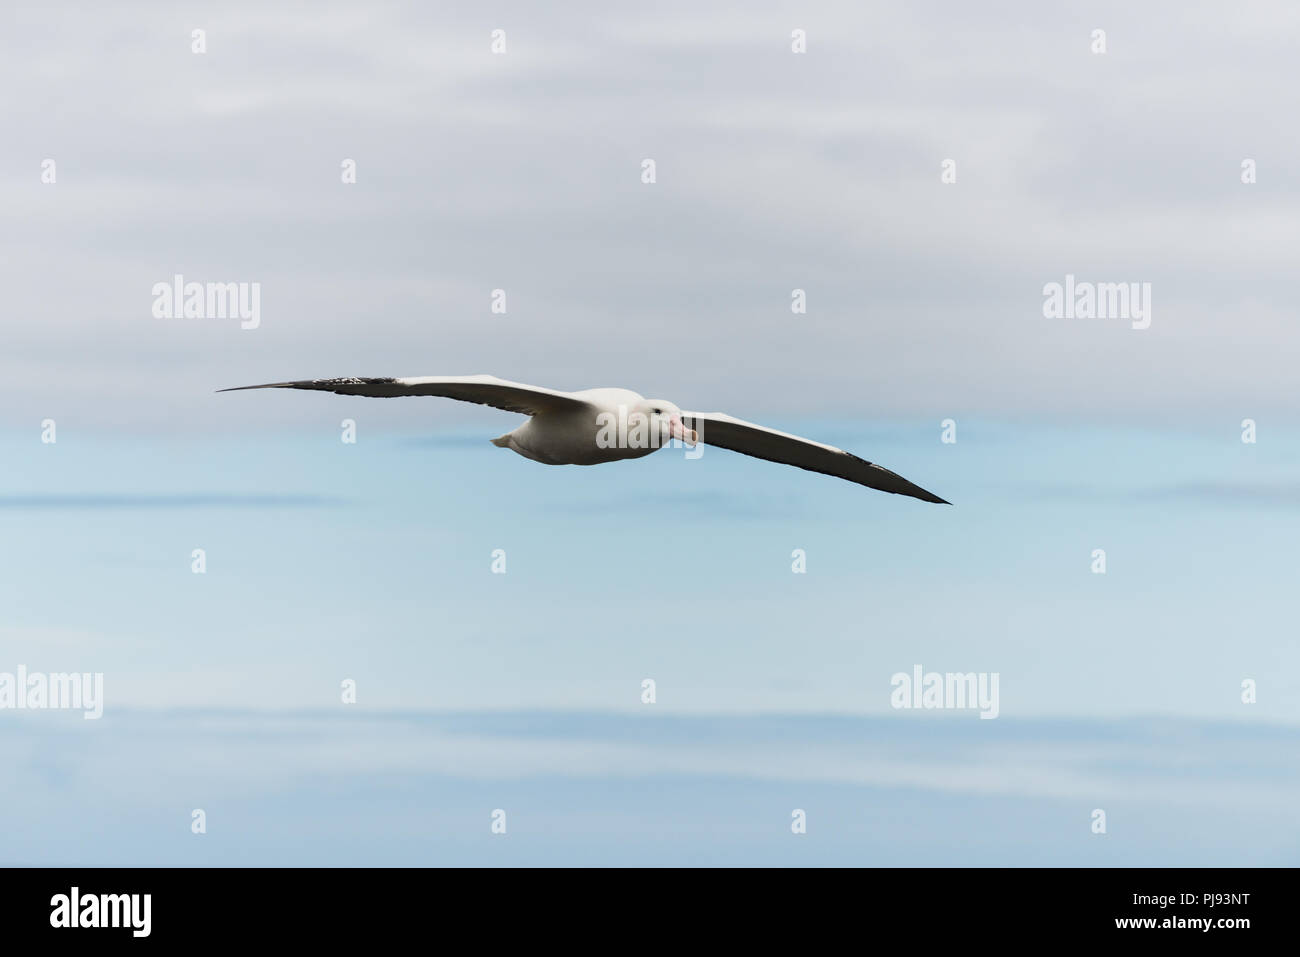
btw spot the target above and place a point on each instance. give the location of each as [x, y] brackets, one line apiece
[522, 691]
[372, 561]
[648, 788]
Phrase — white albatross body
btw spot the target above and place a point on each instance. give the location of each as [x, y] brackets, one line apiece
[606, 425]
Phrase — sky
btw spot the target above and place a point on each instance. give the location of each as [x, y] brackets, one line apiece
[372, 562]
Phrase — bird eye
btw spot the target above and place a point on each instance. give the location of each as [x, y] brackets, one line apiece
[657, 411]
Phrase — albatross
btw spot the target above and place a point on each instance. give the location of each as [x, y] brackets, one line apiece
[592, 426]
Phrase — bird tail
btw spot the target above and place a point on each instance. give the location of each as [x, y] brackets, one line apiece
[502, 442]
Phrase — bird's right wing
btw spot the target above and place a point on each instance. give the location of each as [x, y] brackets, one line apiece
[483, 389]
[716, 428]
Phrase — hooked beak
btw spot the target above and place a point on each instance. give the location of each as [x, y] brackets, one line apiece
[679, 431]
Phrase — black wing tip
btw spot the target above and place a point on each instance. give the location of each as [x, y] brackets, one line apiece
[265, 385]
[324, 385]
[924, 496]
[930, 496]
[910, 489]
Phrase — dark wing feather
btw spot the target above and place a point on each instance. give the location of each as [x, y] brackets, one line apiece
[715, 428]
[482, 389]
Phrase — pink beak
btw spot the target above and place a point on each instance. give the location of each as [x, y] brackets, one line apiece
[679, 431]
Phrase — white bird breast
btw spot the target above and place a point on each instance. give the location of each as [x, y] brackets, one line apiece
[589, 437]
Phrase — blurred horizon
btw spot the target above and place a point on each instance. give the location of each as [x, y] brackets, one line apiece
[581, 789]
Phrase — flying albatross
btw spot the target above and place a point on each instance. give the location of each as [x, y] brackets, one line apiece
[605, 425]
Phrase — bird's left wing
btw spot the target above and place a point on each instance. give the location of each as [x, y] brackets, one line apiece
[483, 389]
[715, 428]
